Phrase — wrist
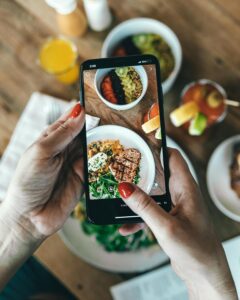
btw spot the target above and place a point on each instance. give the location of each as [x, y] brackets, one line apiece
[213, 287]
[18, 226]
[17, 243]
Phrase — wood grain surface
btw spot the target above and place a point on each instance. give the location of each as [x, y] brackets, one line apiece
[131, 118]
[209, 32]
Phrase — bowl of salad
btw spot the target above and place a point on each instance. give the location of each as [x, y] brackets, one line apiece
[147, 36]
[121, 88]
[104, 247]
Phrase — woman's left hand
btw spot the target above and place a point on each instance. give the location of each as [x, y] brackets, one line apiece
[48, 181]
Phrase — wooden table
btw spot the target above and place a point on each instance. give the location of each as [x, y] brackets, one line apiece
[209, 31]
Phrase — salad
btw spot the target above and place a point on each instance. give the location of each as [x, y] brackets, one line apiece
[108, 164]
[109, 237]
[122, 85]
[148, 43]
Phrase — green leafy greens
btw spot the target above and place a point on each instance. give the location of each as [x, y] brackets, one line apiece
[106, 186]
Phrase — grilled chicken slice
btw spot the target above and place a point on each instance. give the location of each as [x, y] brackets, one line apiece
[125, 165]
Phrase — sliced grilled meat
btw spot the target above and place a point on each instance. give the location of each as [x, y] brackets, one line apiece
[132, 155]
[125, 165]
[235, 169]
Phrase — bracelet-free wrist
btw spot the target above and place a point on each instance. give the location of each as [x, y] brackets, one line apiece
[20, 226]
[224, 289]
[17, 243]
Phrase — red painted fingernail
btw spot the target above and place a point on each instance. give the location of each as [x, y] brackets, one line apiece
[125, 189]
[75, 111]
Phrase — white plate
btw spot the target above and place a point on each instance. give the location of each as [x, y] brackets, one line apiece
[129, 139]
[90, 251]
[218, 179]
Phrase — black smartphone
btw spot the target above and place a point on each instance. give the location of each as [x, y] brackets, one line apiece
[125, 141]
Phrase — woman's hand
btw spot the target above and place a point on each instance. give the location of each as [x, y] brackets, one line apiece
[48, 180]
[186, 234]
[46, 186]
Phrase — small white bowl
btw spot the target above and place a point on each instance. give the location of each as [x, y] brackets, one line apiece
[101, 73]
[146, 25]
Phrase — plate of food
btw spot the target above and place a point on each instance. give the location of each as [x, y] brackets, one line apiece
[103, 246]
[109, 145]
[121, 88]
[147, 36]
[224, 188]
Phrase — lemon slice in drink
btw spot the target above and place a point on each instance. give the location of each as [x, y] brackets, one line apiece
[184, 113]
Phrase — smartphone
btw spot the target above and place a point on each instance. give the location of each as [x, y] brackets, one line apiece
[124, 139]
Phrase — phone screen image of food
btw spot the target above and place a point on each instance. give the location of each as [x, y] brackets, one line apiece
[126, 146]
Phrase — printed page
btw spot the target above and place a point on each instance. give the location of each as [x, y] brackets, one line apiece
[164, 284]
[232, 250]
[161, 284]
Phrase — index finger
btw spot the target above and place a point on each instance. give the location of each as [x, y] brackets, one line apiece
[63, 131]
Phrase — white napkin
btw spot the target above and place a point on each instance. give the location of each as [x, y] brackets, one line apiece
[30, 125]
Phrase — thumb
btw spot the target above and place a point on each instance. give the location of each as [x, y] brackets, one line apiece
[144, 206]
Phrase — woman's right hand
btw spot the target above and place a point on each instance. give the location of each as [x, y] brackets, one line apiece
[186, 234]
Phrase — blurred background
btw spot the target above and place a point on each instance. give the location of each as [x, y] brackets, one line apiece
[42, 44]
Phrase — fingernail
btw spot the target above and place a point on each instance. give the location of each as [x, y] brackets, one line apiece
[75, 111]
[125, 189]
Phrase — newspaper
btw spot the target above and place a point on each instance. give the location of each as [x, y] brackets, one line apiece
[164, 284]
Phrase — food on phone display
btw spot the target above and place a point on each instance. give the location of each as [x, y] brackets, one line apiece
[151, 125]
[202, 106]
[151, 113]
[235, 169]
[148, 43]
[125, 165]
[151, 121]
[122, 85]
[158, 134]
[108, 164]
[108, 236]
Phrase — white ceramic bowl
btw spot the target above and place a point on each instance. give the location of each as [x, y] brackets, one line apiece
[146, 25]
[101, 73]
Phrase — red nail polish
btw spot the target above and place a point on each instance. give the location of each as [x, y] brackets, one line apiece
[125, 189]
[75, 111]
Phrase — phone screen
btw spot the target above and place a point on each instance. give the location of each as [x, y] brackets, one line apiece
[126, 145]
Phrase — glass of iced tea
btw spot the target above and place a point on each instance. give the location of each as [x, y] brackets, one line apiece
[59, 56]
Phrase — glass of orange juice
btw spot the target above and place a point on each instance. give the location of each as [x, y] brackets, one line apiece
[59, 56]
